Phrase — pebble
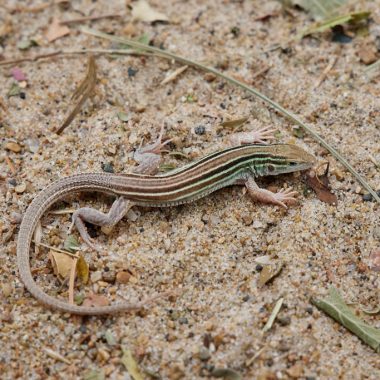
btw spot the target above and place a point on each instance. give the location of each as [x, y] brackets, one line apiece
[19, 189]
[33, 145]
[96, 276]
[6, 289]
[123, 277]
[12, 146]
[200, 130]
[204, 354]
[109, 276]
[376, 232]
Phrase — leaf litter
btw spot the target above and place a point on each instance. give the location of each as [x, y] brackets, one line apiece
[336, 308]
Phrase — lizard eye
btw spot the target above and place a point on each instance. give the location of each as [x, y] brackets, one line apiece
[271, 168]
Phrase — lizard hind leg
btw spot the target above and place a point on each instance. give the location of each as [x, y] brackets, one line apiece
[86, 214]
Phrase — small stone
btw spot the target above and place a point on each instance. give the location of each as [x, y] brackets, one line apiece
[6, 289]
[104, 355]
[368, 197]
[107, 167]
[132, 215]
[19, 189]
[32, 145]
[247, 219]
[123, 277]
[376, 232]
[295, 372]
[367, 55]
[200, 130]
[12, 181]
[284, 321]
[131, 72]
[183, 320]
[375, 260]
[96, 276]
[16, 217]
[109, 276]
[339, 175]
[204, 354]
[12, 146]
[209, 77]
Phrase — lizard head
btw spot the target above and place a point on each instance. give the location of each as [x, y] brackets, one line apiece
[284, 158]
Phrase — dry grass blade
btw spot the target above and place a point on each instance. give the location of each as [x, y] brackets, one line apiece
[82, 93]
[295, 119]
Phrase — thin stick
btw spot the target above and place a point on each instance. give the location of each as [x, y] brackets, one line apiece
[56, 249]
[89, 18]
[72, 279]
[295, 119]
[28, 59]
[72, 52]
[9, 162]
[328, 68]
[81, 94]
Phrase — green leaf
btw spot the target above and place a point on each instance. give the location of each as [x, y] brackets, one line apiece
[352, 18]
[130, 364]
[79, 298]
[336, 308]
[273, 316]
[144, 39]
[94, 374]
[111, 340]
[14, 90]
[71, 244]
[166, 167]
[319, 9]
[123, 116]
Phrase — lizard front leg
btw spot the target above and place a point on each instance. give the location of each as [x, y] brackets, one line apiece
[266, 196]
[149, 158]
[259, 136]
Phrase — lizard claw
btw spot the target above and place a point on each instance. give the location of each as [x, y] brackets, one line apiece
[284, 196]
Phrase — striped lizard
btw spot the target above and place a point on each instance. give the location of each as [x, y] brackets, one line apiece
[237, 165]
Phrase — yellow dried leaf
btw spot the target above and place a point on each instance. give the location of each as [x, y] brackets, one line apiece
[82, 269]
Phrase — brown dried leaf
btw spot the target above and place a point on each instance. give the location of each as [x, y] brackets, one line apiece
[321, 184]
[269, 272]
[61, 263]
[95, 300]
[56, 30]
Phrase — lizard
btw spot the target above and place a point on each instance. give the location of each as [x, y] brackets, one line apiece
[250, 157]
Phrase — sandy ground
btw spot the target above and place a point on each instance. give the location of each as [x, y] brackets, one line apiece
[208, 249]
